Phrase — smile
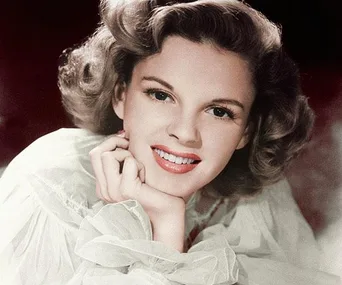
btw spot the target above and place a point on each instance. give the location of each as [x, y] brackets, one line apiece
[175, 162]
[173, 158]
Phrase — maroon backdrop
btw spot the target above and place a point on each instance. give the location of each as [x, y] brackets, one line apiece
[32, 36]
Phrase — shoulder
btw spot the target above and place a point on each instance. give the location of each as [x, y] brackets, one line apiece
[275, 211]
[274, 204]
[59, 144]
[57, 148]
[270, 223]
[275, 198]
[275, 218]
[56, 163]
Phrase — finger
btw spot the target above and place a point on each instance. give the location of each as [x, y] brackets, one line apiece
[141, 171]
[111, 169]
[111, 143]
[130, 169]
[132, 186]
[99, 174]
[121, 133]
[98, 192]
[129, 179]
[96, 160]
[121, 154]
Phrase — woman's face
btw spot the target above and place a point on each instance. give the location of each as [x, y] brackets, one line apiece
[185, 112]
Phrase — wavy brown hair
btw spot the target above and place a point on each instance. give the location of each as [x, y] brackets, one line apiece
[130, 31]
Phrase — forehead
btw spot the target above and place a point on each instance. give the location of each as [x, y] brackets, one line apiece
[198, 65]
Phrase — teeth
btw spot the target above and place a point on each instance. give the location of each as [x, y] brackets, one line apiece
[162, 154]
[179, 160]
[173, 158]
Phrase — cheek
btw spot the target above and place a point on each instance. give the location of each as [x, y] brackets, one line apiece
[134, 117]
[221, 144]
[144, 121]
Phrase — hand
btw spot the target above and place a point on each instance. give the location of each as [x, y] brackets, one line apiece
[119, 177]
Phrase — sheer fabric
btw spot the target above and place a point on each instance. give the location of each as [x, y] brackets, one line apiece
[54, 230]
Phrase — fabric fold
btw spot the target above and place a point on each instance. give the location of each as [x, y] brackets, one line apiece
[120, 235]
[56, 231]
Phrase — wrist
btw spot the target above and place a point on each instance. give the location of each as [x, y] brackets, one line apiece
[170, 209]
[170, 230]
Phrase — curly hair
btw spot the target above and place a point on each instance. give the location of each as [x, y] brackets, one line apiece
[280, 118]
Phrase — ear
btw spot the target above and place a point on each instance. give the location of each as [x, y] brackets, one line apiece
[246, 136]
[118, 100]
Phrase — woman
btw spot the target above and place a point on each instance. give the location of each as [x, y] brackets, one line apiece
[212, 113]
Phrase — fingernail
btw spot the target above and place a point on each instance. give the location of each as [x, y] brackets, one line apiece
[121, 133]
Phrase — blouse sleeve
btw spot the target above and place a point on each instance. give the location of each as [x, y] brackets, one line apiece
[48, 238]
[120, 235]
[266, 243]
[251, 250]
[37, 238]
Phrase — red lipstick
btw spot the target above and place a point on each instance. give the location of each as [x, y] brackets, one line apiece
[172, 166]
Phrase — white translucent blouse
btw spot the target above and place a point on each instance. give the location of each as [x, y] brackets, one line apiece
[54, 230]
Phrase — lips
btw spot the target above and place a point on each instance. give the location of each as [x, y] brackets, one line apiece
[180, 154]
[174, 167]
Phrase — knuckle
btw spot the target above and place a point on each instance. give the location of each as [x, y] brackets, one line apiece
[106, 155]
[120, 150]
[140, 166]
[117, 153]
[113, 140]
[129, 160]
[94, 152]
[126, 195]
[114, 196]
[125, 191]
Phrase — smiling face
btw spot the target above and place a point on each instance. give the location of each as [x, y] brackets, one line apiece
[189, 104]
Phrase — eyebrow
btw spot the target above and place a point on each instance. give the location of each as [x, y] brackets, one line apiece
[229, 102]
[217, 101]
[160, 81]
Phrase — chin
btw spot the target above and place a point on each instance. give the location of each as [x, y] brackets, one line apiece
[172, 186]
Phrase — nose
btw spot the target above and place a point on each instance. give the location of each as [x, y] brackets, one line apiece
[185, 129]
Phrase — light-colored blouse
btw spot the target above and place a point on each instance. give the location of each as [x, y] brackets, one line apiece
[54, 230]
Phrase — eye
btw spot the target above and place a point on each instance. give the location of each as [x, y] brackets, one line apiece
[159, 95]
[221, 113]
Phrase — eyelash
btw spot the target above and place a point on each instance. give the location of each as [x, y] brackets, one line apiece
[152, 92]
[230, 114]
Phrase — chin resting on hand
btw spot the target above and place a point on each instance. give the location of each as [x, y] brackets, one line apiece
[120, 177]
